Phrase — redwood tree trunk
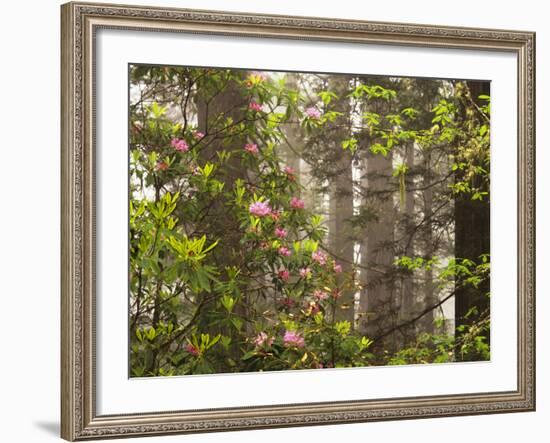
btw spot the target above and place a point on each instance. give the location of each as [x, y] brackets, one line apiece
[377, 305]
[212, 110]
[341, 195]
[472, 238]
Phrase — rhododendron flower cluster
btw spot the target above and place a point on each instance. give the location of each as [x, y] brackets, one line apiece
[293, 338]
[305, 273]
[255, 106]
[288, 302]
[313, 307]
[320, 295]
[251, 147]
[284, 251]
[320, 257]
[288, 170]
[262, 338]
[337, 268]
[284, 274]
[296, 203]
[260, 209]
[313, 112]
[162, 166]
[281, 232]
[179, 145]
[275, 215]
[192, 349]
[198, 135]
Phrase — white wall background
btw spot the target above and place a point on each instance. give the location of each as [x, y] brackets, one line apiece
[29, 219]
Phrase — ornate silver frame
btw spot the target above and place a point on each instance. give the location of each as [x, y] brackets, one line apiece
[79, 420]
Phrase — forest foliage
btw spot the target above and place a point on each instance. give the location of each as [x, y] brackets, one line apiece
[304, 221]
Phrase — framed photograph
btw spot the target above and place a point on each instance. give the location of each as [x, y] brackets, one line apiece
[283, 221]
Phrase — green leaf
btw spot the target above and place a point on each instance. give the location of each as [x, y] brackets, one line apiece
[327, 96]
[237, 323]
[248, 355]
[228, 302]
[350, 144]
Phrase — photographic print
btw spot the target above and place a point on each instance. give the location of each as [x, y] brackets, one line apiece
[259, 226]
[296, 220]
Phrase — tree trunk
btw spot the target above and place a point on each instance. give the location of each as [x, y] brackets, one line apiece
[377, 304]
[340, 239]
[293, 134]
[429, 297]
[472, 238]
[219, 222]
[407, 304]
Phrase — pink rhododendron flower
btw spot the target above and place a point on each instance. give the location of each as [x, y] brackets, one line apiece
[275, 215]
[288, 302]
[288, 170]
[313, 112]
[320, 257]
[293, 338]
[162, 166]
[320, 295]
[179, 145]
[260, 209]
[251, 147]
[296, 203]
[255, 106]
[289, 173]
[262, 338]
[192, 349]
[305, 273]
[280, 232]
[197, 135]
[284, 251]
[337, 268]
[284, 274]
[312, 308]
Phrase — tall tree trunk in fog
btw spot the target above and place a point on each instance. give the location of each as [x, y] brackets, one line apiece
[293, 134]
[472, 238]
[428, 293]
[407, 303]
[377, 303]
[340, 239]
[421, 294]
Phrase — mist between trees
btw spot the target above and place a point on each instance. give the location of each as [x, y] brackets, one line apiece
[304, 221]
